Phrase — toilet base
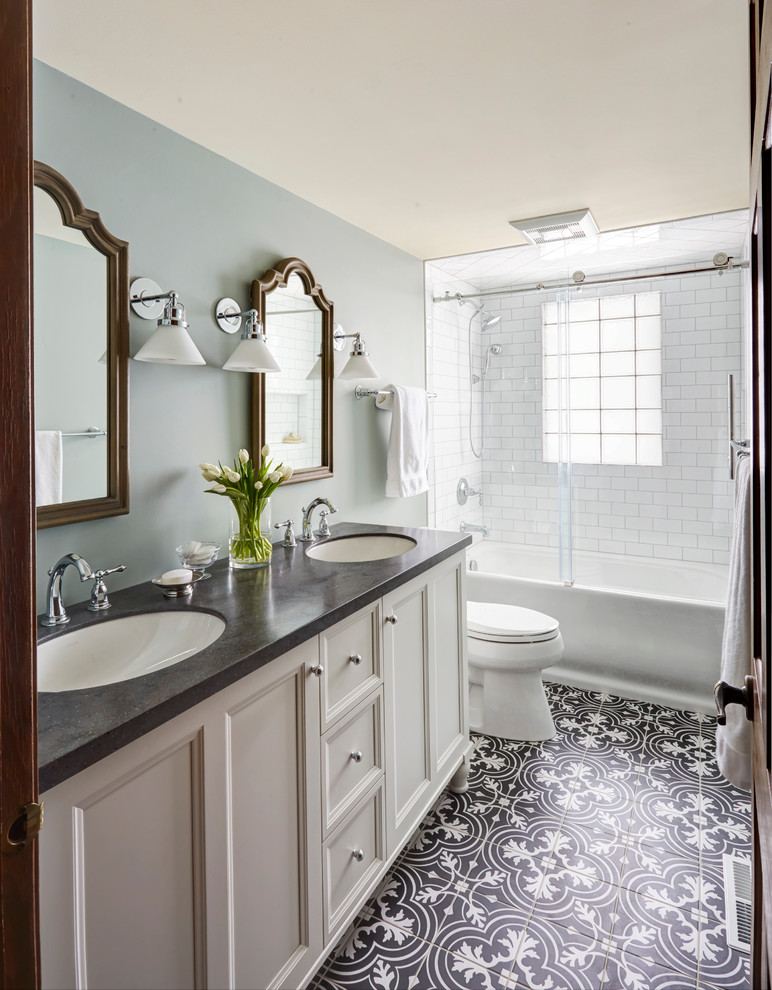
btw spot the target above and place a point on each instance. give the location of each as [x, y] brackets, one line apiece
[511, 706]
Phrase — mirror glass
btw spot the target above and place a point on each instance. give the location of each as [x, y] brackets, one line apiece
[293, 407]
[70, 319]
[81, 338]
[293, 404]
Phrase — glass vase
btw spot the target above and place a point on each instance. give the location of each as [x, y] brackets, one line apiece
[250, 538]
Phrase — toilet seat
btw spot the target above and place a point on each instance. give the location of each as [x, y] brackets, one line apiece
[495, 623]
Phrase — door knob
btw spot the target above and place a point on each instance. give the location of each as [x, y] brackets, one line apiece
[317, 669]
[392, 619]
[726, 694]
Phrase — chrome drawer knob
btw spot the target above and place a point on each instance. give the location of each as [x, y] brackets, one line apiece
[317, 669]
[358, 855]
[356, 659]
[356, 756]
[392, 619]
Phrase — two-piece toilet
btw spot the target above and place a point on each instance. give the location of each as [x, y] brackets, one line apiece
[508, 649]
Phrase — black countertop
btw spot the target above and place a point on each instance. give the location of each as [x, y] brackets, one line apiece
[267, 612]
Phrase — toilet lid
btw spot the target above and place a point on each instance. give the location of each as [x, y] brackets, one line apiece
[509, 623]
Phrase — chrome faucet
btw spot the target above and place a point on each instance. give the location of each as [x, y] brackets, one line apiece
[324, 529]
[55, 611]
[56, 614]
[466, 527]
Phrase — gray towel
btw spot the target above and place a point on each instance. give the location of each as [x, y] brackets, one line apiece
[733, 740]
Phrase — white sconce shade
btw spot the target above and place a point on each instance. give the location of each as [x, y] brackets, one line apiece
[170, 345]
[252, 354]
[359, 366]
[316, 371]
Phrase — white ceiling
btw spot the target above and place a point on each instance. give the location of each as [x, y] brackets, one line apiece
[431, 123]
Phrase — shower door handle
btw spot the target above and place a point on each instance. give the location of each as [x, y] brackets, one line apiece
[730, 423]
[725, 694]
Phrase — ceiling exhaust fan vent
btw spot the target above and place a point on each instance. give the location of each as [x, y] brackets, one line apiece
[557, 227]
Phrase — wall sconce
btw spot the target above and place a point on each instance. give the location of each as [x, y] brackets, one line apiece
[170, 344]
[252, 353]
[359, 364]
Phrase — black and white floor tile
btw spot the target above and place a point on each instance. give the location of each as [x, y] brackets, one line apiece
[593, 860]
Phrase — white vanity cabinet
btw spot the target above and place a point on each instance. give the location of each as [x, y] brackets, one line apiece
[232, 845]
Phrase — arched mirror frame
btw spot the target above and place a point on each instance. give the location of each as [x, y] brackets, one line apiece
[276, 278]
[116, 253]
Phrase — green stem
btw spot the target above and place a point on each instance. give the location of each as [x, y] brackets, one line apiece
[250, 542]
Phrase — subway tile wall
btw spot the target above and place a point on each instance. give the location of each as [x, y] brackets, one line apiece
[679, 511]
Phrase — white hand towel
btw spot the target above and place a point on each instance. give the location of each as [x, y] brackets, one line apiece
[407, 461]
[733, 740]
[48, 467]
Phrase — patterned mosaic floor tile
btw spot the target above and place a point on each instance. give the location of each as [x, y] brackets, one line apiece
[551, 956]
[578, 902]
[625, 971]
[454, 971]
[604, 793]
[592, 860]
[660, 931]
[595, 852]
[375, 956]
[491, 942]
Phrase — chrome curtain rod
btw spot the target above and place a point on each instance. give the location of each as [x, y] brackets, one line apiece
[549, 286]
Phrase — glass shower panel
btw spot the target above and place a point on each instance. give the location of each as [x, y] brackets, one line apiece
[565, 539]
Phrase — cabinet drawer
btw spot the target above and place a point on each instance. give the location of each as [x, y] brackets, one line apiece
[351, 656]
[352, 759]
[353, 857]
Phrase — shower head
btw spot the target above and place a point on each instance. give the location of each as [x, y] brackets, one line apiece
[495, 349]
[489, 322]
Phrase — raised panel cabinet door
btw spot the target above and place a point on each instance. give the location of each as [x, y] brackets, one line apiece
[274, 822]
[122, 871]
[450, 692]
[406, 622]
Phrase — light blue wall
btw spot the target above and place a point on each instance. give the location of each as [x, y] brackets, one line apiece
[206, 227]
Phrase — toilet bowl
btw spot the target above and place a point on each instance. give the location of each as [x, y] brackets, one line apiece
[508, 649]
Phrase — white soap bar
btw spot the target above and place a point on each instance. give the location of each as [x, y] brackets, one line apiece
[180, 575]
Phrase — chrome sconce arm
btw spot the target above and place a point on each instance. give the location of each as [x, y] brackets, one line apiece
[252, 353]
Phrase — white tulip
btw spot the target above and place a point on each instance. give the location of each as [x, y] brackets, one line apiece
[258, 485]
[231, 475]
[243, 456]
[265, 451]
[211, 475]
[209, 467]
[219, 489]
[275, 477]
[287, 472]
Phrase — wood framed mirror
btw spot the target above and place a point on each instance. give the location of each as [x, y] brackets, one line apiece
[292, 409]
[81, 348]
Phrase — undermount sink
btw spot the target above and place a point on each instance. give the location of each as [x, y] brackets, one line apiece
[119, 649]
[359, 549]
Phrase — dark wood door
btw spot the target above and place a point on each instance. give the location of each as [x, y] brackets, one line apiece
[761, 434]
[19, 949]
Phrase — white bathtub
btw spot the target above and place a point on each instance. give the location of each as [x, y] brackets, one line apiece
[638, 628]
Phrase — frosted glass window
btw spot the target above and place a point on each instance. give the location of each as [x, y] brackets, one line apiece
[614, 378]
[617, 307]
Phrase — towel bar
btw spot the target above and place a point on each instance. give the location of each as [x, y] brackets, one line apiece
[92, 431]
[361, 392]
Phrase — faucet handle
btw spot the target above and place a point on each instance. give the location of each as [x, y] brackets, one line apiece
[324, 526]
[289, 536]
[99, 600]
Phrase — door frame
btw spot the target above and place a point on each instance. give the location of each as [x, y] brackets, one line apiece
[19, 936]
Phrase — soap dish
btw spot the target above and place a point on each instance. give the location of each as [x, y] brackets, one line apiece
[177, 590]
